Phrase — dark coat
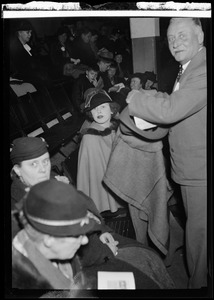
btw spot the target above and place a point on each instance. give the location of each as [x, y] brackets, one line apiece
[80, 85]
[26, 67]
[84, 52]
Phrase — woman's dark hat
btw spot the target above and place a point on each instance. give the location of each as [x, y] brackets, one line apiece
[25, 148]
[58, 209]
[62, 30]
[24, 25]
[95, 98]
[105, 55]
[128, 127]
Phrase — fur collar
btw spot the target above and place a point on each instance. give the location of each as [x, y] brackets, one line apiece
[114, 125]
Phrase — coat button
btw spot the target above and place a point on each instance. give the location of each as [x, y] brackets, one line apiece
[172, 150]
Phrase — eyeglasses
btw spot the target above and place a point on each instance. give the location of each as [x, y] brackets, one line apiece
[92, 94]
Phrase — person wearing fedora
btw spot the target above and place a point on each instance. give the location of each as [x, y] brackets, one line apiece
[95, 149]
[56, 226]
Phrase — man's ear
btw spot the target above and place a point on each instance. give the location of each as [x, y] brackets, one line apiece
[48, 240]
[16, 169]
[200, 35]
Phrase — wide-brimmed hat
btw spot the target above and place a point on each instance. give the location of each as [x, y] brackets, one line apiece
[58, 209]
[95, 98]
[25, 148]
[105, 55]
[128, 127]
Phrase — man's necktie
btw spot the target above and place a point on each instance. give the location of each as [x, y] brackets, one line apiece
[179, 73]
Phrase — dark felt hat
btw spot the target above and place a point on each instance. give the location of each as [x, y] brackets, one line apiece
[128, 127]
[24, 25]
[105, 55]
[61, 30]
[25, 148]
[58, 209]
[96, 98]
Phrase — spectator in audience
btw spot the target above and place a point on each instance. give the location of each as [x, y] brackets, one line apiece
[83, 83]
[138, 81]
[115, 86]
[61, 55]
[105, 58]
[93, 42]
[23, 58]
[103, 39]
[151, 81]
[123, 69]
[95, 149]
[31, 164]
[56, 226]
[82, 48]
[70, 24]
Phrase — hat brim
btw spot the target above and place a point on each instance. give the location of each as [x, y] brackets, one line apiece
[66, 231]
[128, 126]
[105, 59]
[97, 104]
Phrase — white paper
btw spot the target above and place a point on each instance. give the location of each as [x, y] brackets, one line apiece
[142, 124]
[116, 281]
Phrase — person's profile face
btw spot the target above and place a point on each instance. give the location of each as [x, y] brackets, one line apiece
[92, 75]
[86, 37]
[111, 72]
[148, 84]
[135, 83]
[184, 39]
[102, 114]
[104, 66]
[34, 170]
[25, 35]
[63, 248]
[62, 38]
[118, 58]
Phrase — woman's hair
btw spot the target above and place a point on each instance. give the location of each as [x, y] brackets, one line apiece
[115, 108]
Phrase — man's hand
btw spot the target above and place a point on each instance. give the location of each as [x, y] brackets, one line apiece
[107, 238]
[62, 178]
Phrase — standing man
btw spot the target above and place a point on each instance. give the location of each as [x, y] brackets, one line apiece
[186, 110]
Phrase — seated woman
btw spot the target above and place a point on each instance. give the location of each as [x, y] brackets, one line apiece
[31, 163]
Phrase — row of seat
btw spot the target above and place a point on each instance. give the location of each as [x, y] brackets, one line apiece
[48, 114]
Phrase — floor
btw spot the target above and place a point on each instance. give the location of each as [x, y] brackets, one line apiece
[177, 270]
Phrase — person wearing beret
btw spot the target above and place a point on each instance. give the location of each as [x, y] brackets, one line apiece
[56, 225]
[185, 111]
[30, 164]
[95, 148]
